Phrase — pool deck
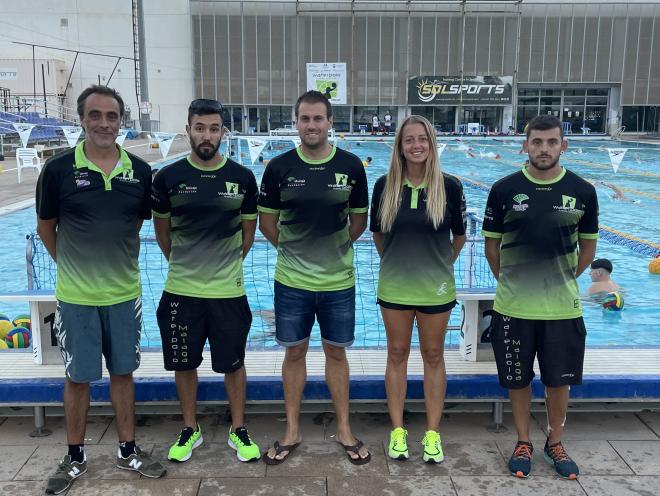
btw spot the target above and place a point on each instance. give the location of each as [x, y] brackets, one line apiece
[618, 451]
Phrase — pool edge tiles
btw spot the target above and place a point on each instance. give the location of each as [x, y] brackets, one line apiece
[16, 206]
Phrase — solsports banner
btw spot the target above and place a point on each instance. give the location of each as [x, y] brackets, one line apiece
[23, 131]
[454, 90]
[329, 79]
[72, 133]
[164, 142]
[616, 157]
[121, 137]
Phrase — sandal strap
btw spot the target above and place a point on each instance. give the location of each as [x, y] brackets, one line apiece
[354, 448]
[280, 448]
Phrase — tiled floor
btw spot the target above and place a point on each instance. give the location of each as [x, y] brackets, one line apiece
[618, 454]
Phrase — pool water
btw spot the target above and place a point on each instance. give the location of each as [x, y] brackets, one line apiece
[638, 177]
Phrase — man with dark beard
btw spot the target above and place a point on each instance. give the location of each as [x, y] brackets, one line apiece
[541, 227]
[205, 215]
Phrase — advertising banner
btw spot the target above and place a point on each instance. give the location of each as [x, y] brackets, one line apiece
[8, 73]
[454, 90]
[329, 79]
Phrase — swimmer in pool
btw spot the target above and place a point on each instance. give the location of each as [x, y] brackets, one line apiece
[618, 194]
[601, 282]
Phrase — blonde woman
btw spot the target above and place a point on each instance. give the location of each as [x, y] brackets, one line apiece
[414, 209]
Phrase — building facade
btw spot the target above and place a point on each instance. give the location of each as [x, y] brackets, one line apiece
[589, 63]
[490, 63]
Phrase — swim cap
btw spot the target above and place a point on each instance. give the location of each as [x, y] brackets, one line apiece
[602, 263]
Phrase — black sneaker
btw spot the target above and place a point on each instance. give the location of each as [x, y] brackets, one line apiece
[556, 455]
[520, 463]
[67, 471]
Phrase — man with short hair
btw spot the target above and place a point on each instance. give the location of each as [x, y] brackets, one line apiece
[312, 207]
[601, 281]
[205, 216]
[91, 202]
[388, 123]
[375, 124]
[541, 227]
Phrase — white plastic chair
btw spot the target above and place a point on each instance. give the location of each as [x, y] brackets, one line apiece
[26, 158]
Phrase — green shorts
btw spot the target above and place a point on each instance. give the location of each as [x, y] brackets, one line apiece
[85, 332]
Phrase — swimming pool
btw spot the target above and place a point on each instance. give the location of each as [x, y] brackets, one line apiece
[638, 177]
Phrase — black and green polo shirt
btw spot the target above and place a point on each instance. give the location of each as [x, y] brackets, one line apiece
[205, 207]
[313, 199]
[416, 266]
[97, 225]
[539, 223]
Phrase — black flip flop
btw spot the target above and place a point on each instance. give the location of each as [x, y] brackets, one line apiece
[356, 449]
[279, 448]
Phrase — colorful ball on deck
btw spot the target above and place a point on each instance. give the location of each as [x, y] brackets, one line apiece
[3, 345]
[18, 337]
[613, 302]
[23, 321]
[5, 327]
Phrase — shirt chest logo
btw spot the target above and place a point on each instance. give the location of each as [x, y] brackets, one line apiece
[126, 176]
[341, 182]
[292, 182]
[568, 204]
[232, 190]
[520, 205]
[184, 189]
[567, 201]
[81, 178]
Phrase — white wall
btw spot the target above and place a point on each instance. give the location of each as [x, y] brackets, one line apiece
[106, 26]
[169, 60]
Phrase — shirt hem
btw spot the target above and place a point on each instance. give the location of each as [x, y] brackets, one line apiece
[198, 295]
[314, 288]
[90, 303]
[536, 317]
[267, 210]
[425, 303]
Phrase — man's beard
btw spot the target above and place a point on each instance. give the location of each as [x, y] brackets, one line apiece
[206, 154]
[536, 165]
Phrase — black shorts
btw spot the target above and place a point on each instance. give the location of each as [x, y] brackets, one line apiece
[186, 323]
[431, 309]
[558, 345]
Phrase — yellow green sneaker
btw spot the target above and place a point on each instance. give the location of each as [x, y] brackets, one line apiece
[187, 441]
[398, 449]
[240, 440]
[432, 447]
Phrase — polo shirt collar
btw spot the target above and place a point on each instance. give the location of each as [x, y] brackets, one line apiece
[406, 182]
[83, 162]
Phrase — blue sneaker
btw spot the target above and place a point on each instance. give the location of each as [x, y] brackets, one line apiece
[520, 463]
[556, 455]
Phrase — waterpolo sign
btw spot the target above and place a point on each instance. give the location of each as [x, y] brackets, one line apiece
[454, 90]
[329, 79]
